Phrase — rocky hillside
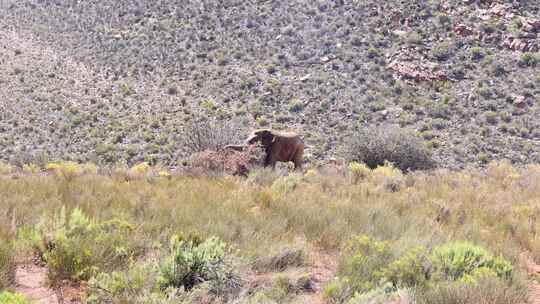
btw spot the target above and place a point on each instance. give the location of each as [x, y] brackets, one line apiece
[119, 80]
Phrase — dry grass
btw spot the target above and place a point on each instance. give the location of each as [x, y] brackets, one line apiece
[496, 208]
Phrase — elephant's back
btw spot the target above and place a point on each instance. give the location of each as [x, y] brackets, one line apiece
[289, 147]
[288, 134]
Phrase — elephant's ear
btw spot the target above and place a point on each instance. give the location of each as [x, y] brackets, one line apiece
[269, 136]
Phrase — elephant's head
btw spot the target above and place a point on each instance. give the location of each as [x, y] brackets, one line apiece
[264, 136]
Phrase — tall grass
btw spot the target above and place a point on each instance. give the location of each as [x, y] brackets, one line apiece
[496, 208]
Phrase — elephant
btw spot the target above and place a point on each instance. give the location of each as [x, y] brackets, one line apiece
[279, 146]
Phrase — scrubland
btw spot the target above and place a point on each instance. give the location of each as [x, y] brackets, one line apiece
[121, 80]
[335, 234]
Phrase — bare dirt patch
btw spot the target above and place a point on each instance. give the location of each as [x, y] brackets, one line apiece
[533, 269]
[31, 281]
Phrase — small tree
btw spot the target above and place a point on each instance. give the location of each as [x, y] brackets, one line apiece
[375, 145]
[206, 135]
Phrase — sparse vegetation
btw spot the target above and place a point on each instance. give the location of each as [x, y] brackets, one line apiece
[133, 86]
[114, 180]
[424, 236]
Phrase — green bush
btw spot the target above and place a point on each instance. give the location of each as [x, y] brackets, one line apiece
[529, 59]
[191, 263]
[7, 264]
[370, 272]
[364, 263]
[76, 247]
[7, 297]
[376, 145]
[122, 286]
[296, 105]
[477, 53]
[410, 270]
[461, 260]
[441, 52]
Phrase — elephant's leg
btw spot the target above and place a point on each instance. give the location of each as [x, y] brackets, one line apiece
[270, 161]
[298, 159]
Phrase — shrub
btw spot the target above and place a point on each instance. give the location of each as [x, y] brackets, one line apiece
[139, 169]
[477, 53]
[382, 295]
[296, 105]
[376, 145]
[281, 290]
[205, 135]
[365, 260]
[438, 110]
[285, 184]
[122, 286]
[336, 292]
[7, 297]
[488, 290]
[459, 260]
[361, 273]
[388, 177]
[369, 270]
[529, 59]
[410, 270]
[7, 264]
[441, 52]
[70, 170]
[491, 117]
[76, 247]
[6, 168]
[31, 168]
[191, 263]
[358, 171]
